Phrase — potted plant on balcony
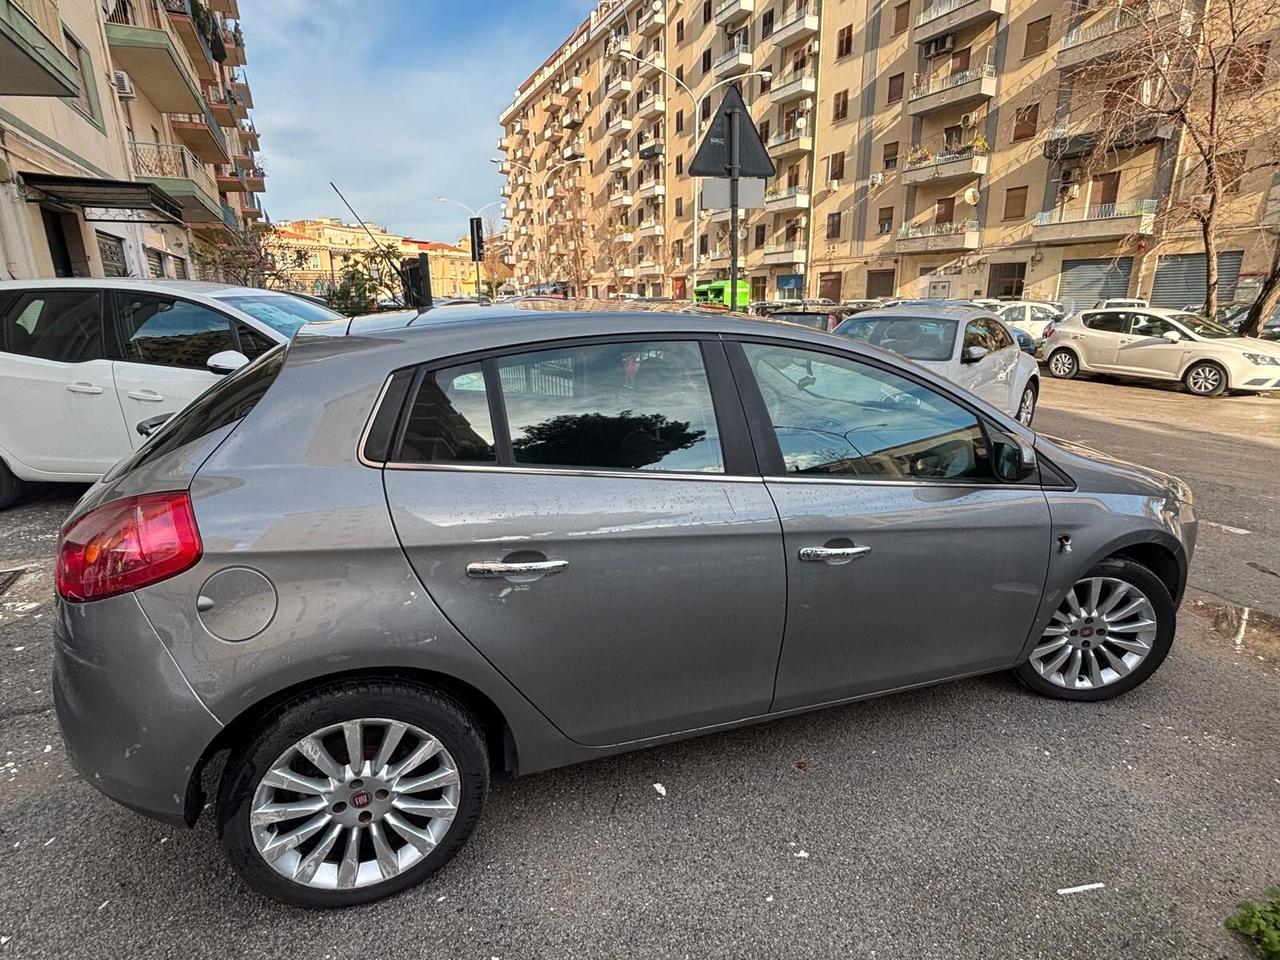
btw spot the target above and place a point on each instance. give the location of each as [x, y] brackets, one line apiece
[918, 155]
[979, 145]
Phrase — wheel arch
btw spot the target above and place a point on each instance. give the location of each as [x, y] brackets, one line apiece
[1226, 372]
[1071, 350]
[1161, 560]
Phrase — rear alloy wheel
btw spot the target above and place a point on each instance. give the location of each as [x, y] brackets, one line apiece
[1063, 364]
[1111, 631]
[354, 794]
[1205, 380]
[1027, 405]
[11, 488]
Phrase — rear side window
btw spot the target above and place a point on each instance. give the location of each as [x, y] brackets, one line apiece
[449, 419]
[62, 325]
[1107, 322]
[252, 343]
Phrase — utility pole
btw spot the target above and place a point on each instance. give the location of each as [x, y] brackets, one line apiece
[735, 167]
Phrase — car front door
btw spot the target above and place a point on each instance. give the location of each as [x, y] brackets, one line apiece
[981, 377]
[1099, 341]
[57, 392]
[656, 594]
[1143, 350]
[907, 561]
[1005, 391]
[165, 344]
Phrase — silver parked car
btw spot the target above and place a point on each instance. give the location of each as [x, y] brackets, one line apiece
[400, 554]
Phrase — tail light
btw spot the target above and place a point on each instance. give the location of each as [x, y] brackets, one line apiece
[127, 545]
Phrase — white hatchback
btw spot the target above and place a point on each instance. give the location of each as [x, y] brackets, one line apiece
[84, 361]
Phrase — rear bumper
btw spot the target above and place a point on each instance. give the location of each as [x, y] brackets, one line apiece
[133, 727]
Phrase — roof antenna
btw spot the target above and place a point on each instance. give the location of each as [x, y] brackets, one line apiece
[404, 277]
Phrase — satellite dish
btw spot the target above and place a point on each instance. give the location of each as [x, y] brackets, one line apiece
[801, 122]
[971, 196]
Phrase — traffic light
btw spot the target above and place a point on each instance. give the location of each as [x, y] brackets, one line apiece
[477, 239]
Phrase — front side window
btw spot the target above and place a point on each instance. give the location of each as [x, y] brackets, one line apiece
[998, 335]
[176, 333]
[62, 325]
[449, 420]
[835, 416]
[976, 334]
[613, 406]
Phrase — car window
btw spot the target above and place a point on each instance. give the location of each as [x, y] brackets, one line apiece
[816, 321]
[64, 325]
[253, 343]
[1205, 328]
[1146, 325]
[165, 330]
[976, 334]
[1043, 313]
[1013, 314]
[614, 406]
[280, 312]
[1113, 321]
[998, 335]
[919, 338]
[449, 419]
[835, 416]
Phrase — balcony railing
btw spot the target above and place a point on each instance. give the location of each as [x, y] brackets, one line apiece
[938, 84]
[45, 15]
[1122, 19]
[939, 9]
[933, 160]
[171, 161]
[909, 231]
[1103, 211]
[737, 50]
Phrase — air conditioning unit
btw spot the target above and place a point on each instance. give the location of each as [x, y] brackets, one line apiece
[833, 184]
[124, 86]
[940, 45]
[968, 119]
[1073, 190]
[875, 179]
[813, 47]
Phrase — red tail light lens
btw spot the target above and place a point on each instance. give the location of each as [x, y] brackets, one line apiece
[127, 545]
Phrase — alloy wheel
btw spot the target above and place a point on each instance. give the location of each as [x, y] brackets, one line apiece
[1103, 629]
[354, 804]
[1027, 406]
[1205, 378]
[1062, 364]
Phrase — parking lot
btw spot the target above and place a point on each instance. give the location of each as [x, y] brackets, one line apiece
[949, 822]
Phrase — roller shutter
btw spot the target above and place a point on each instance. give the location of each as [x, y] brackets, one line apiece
[1083, 283]
[1180, 279]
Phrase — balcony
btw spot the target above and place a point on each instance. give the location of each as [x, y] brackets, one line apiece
[570, 86]
[1105, 37]
[571, 121]
[553, 133]
[617, 88]
[786, 198]
[574, 151]
[623, 163]
[193, 39]
[648, 268]
[145, 46]
[626, 273]
[229, 179]
[938, 237]
[948, 16]
[737, 60]
[32, 63]
[203, 136]
[716, 255]
[779, 254]
[175, 170]
[243, 95]
[958, 89]
[651, 24]
[619, 47]
[946, 167]
[618, 127]
[1108, 221]
[793, 85]
[621, 198]
[730, 12]
[251, 212]
[651, 108]
[229, 7]
[625, 236]
[789, 143]
[802, 26]
[651, 190]
[652, 67]
[233, 40]
[651, 228]
[1071, 140]
[255, 178]
[249, 136]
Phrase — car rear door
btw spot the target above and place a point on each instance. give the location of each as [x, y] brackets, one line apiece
[907, 561]
[57, 391]
[596, 526]
[1099, 341]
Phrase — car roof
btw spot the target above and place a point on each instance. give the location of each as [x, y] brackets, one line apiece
[197, 287]
[918, 311]
[1157, 311]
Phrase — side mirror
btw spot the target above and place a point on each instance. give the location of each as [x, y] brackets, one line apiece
[228, 361]
[1173, 336]
[149, 426]
[1013, 460]
[973, 354]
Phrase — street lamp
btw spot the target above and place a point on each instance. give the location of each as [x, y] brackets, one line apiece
[697, 192]
[475, 214]
[540, 180]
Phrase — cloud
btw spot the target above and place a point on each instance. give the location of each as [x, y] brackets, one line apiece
[395, 102]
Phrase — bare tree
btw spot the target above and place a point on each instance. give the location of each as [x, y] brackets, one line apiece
[1203, 81]
[256, 257]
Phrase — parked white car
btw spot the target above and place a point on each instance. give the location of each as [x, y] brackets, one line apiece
[966, 345]
[83, 362]
[1157, 344]
[1032, 317]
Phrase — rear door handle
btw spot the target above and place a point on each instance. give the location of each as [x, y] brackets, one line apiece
[496, 570]
[833, 553]
[83, 386]
[148, 396]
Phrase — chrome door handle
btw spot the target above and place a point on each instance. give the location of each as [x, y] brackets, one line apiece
[150, 396]
[81, 386]
[496, 570]
[833, 553]
[1077, 336]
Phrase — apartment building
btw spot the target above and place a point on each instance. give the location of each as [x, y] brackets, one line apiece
[922, 149]
[125, 136]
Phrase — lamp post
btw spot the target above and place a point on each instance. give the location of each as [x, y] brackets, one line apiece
[696, 100]
[476, 214]
[540, 180]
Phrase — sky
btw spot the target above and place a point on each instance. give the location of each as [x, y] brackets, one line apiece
[396, 101]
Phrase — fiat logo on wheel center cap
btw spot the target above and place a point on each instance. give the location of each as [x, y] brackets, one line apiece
[360, 799]
[1084, 632]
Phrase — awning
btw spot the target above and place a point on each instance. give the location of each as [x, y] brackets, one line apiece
[106, 200]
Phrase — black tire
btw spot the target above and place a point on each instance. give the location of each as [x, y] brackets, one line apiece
[1063, 364]
[1205, 379]
[1166, 623]
[1033, 389]
[11, 488]
[429, 709]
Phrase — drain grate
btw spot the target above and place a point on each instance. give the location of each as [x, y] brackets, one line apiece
[8, 578]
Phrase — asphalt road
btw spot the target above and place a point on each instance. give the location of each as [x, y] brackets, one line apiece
[936, 824]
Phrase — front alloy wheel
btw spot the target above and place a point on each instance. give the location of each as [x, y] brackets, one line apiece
[1027, 405]
[1206, 380]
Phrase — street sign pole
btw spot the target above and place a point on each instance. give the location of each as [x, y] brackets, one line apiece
[734, 169]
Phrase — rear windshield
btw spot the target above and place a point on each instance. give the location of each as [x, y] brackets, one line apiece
[919, 338]
[816, 320]
[228, 400]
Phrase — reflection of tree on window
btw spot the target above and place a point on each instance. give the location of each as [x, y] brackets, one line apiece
[449, 420]
[626, 440]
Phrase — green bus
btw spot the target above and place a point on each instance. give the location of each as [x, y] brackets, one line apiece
[716, 293]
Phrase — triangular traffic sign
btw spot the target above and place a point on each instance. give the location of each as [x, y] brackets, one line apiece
[712, 158]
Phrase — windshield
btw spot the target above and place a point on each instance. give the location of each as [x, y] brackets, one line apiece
[280, 311]
[818, 321]
[1202, 327]
[919, 338]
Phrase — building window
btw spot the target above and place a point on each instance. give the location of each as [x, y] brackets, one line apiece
[840, 105]
[677, 249]
[895, 88]
[680, 31]
[1231, 170]
[1247, 67]
[766, 24]
[706, 11]
[1015, 203]
[679, 163]
[945, 212]
[766, 82]
[706, 109]
[833, 226]
[1037, 39]
[759, 288]
[706, 61]
[679, 121]
[680, 73]
[884, 224]
[891, 155]
[155, 263]
[844, 42]
[835, 166]
[764, 129]
[901, 17]
[84, 69]
[761, 230]
[679, 206]
[702, 245]
[1025, 120]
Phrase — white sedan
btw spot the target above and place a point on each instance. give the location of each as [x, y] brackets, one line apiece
[966, 345]
[84, 361]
